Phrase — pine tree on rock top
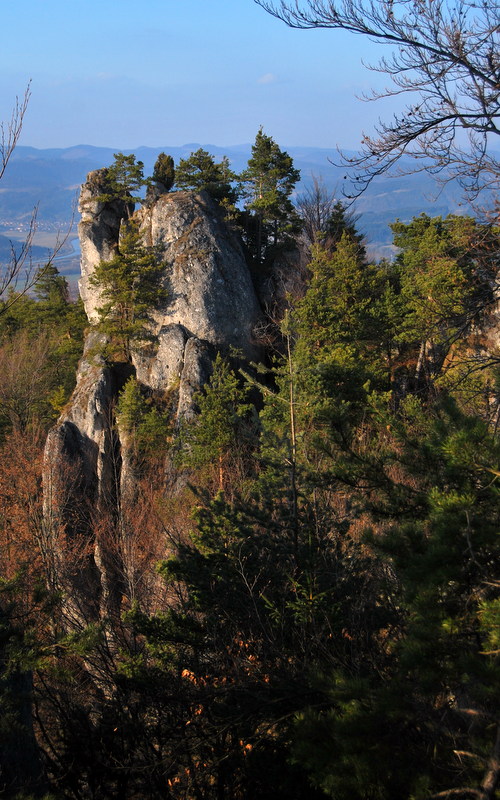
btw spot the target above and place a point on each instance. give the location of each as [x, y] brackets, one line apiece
[200, 172]
[123, 180]
[164, 171]
[269, 180]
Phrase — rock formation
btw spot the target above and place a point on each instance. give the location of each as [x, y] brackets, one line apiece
[211, 305]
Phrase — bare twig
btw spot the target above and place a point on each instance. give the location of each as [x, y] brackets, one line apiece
[445, 57]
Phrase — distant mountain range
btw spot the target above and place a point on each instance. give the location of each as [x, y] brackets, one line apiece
[8, 248]
[50, 179]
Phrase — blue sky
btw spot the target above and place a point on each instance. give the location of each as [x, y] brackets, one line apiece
[120, 73]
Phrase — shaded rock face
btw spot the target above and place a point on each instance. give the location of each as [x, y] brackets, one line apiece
[211, 306]
[81, 478]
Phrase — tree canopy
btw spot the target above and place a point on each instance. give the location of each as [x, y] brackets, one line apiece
[123, 180]
[268, 182]
[164, 171]
[201, 171]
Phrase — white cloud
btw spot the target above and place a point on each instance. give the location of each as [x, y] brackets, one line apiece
[267, 78]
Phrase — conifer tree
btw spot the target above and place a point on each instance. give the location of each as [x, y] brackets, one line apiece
[341, 221]
[50, 286]
[123, 180]
[404, 730]
[142, 423]
[269, 180]
[213, 438]
[444, 273]
[130, 287]
[164, 171]
[278, 590]
[446, 268]
[200, 172]
[343, 339]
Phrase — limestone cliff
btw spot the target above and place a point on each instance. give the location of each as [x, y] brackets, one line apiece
[210, 292]
[211, 305]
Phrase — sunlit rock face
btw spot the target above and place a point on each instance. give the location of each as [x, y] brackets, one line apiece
[210, 306]
[210, 295]
[211, 303]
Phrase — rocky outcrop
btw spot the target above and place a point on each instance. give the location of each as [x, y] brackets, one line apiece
[210, 296]
[211, 306]
[211, 303]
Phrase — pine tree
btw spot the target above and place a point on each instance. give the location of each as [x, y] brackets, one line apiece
[145, 427]
[444, 272]
[201, 172]
[343, 340]
[269, 181]
[164, 171]
[130, 287]
[51, 287]
[278, 591]
[41, 340]
[404, 730]
[215, 436]
[342, 221]
[123, 180]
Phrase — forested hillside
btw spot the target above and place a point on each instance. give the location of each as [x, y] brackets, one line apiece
[304, 552]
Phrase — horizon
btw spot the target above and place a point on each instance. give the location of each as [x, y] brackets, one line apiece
[170, 70]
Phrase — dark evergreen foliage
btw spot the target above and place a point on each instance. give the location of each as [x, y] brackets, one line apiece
[326, 624]
[164, 171]
[268, 182]
[130, 287]
[41, 340]
[124, 179]
[201, 172]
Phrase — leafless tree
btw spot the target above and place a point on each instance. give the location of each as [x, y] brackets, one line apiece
[324, 217]
[445, 56]
[19, 274]
[315, 207]
[11, 131]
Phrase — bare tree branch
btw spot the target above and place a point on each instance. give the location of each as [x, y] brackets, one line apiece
[446, 57]
[10, 132]
[20, 273]
[315, 207]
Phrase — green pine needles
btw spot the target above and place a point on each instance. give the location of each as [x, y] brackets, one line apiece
[124, 179]
[145, 425]
[130, 288]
